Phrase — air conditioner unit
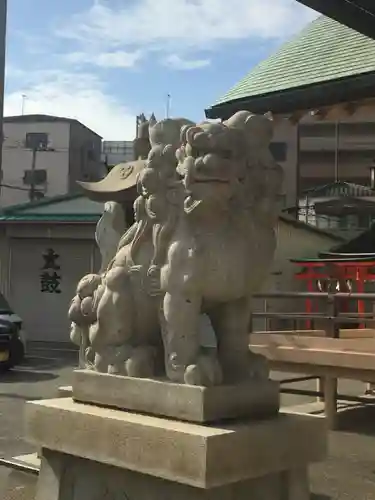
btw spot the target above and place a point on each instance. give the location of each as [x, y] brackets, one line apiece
[36, 177]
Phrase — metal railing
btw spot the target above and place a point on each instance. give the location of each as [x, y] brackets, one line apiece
[329, 319]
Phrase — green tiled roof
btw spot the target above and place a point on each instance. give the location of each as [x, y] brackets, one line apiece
[325, 50]
[40, 203]
[67, 218]
[22, 213]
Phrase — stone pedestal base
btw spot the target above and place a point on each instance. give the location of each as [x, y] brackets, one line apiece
[92, 453]
[64, 477]
[250, 399]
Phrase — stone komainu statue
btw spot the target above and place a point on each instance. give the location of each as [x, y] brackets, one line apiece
[202, 243]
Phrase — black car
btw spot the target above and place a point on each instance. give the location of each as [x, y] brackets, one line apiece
[12, 349]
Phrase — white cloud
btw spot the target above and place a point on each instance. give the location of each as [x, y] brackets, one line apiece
[186, 24]
[116, 59]
[174, 61]
[176, 31]
[73, 96]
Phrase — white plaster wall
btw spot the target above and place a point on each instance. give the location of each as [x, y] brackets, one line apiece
[292, 243]
[54, 234]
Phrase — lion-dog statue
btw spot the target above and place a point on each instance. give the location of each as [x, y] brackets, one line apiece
[202, 242]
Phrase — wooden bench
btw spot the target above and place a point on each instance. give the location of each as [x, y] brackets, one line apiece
[352, 356]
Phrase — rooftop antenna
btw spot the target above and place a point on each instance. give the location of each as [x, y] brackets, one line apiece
[168, 106]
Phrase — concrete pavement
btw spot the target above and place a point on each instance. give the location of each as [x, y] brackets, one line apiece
[347, 474]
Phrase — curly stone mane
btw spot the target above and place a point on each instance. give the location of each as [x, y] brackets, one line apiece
[235, 151]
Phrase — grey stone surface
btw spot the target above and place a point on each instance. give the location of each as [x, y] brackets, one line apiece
[252, 398]
[200, 455]
[69, 478]
[202, 244]
[16, 485]
[65, 391]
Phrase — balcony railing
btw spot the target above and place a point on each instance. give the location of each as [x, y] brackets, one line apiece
[346, 143]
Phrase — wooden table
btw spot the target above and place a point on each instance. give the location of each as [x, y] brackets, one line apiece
[326, 358]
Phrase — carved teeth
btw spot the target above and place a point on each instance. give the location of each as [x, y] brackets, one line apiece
[190, 204]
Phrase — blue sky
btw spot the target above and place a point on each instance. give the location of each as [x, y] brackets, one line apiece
[105, 61]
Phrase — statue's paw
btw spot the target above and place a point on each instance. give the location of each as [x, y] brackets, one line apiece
[206, 372]
[75, 313]
[87, 310]
[259, 367]
[141, 363]
[90, 366]
[75, 334]
[116, 369]
[88, 284]
[193, 375]
[101, 363]
[175, 371]
[118, 362]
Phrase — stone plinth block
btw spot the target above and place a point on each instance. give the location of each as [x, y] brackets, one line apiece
[252, 398]
[201, 456]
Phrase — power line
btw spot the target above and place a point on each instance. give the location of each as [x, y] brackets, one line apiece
[53, 150]
[9, 186]
[47, 150]
[33, 167]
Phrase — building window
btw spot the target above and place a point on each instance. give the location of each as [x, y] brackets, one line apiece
[278, 150]
[317, 130]
[320, 130]
[360, 128]
[36, 177]
[36, 140]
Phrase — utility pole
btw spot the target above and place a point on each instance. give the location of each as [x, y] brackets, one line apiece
[3, 25]
[32, 180]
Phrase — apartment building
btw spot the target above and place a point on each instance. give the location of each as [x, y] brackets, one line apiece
[339, 150]
[44, 156]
